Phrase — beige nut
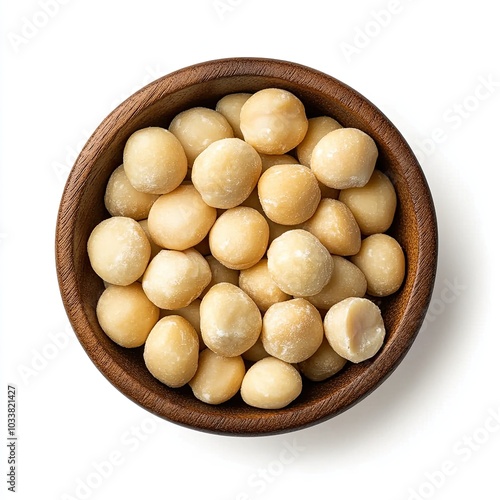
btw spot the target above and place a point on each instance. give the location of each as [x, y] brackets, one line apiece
[372, 205]
[323, 364]
[154, 160]
[382, 261]
[257, 282]
[271, 384]
[230, 321]
[218, 378]
[344, 158]
[192, 313]
[318, 127]
[171, 351]
[335, 226]
[119, 250]
[226, 172]
[121, 198]
[355, 329]
[299, 264]
[230, 107]
[273, 121]
[175, 278]
[180, 219]
[239, 238]
[347, 281]
[196, 128]
[292, 330]
[289, 194]
[126, 315]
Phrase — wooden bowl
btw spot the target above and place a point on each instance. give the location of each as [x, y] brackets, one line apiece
[82, 208]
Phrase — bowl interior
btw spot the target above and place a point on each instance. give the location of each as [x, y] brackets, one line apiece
[82, 208]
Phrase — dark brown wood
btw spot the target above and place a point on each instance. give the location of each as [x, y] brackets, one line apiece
[82, 208]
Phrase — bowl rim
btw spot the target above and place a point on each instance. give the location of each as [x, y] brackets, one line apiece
[252, 423]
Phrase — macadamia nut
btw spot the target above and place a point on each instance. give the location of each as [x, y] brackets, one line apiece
[180, 219]
[273, 121]
[257, 282]
[119, 250]
[299, 264]
[218, 378]
[317, 128]
[229, 319]
[171, 351]
[126, 315]
[355, 329]
[344, 158]
[196, 128]
[382, 261]
[289, 194]
[154, 160]
[276, 230]
[269, 161]
[230, 106]
[192, 313]
[256, 352]
[323, 364]
[175, 278]
[372, 205]
[155, 249]
[226, 172]
[220, 274]
[335, 226]
[253, 202]
[239, 238]
[292, 330]
[121, 198]
[347, 281]
[271, 384]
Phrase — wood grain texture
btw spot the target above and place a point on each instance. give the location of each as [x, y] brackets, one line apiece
[82, 208]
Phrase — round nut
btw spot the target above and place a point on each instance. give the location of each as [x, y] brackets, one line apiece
[271, 384]
[230, 321]
[218, 378]
[335, 226]
[257, 282]
[154, 160]
[239, 238]
[299, 264]
[226, 172]
[292, 330]
[382, 261]
[344, 158]
[175, 278]
[355, 329]
[119, 250]
[347, 281]
[230, 107]
[289, 194]
[372, 205]
[171, 351]
[196, 128]
[122, 199]
[191, 313]
[220, 274]
[323, 364]
[126, 315]
[180, 219]
[318, 127]
[273, 121]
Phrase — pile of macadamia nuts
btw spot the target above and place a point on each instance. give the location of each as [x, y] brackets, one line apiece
[245, 248]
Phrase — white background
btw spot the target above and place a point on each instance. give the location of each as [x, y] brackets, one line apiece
[432, 430]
